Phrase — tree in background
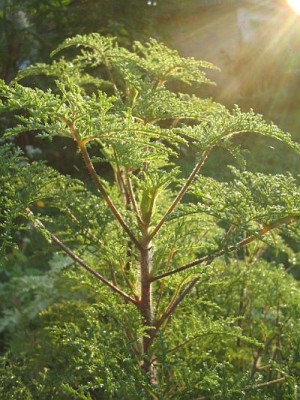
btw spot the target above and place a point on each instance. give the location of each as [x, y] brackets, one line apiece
[31, 29]
[150, 319]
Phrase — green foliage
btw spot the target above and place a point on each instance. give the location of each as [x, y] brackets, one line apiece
[249, 200]
[90, 344]
[80, 344]
[181, 308]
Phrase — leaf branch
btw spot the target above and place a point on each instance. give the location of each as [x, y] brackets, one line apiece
[171, 308]
[248, 388]
[132, 199]
[190, 340]
[181, 192]
[39, 225]
[209, 258]
[101, 188]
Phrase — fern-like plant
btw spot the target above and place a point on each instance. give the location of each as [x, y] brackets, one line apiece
[138, 233]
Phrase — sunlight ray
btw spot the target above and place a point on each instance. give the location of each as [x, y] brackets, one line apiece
[295, 5]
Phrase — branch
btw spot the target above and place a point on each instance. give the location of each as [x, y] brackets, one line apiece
[188, 341]
[265, 384]
[242, 243]
[190, 180]
[129, 284]
[247, 389]
[101, 188]
[132, 199]
[169, 311]
[182, 192]
[39, 225]
[120, 181]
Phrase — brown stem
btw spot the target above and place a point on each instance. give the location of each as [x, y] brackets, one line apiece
[132, 199]
[113, 274]
[174, 296]
[120, 181]
[101, 188]
[126, 198]
[146, 307]
[261, 351]
[248, 388]
[79, 261]
[242, 243]
[265, 384]
[175, 122]
[181, 192]
[255, 363]
[170, 310]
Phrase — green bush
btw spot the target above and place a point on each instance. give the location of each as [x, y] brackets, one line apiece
[177, 300]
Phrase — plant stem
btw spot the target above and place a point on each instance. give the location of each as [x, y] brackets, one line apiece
[101, 188]
[132, 199]
[78, 260]
[242, 243]
[248, 388]
[182, 192]
[146, 306]
[169, 311]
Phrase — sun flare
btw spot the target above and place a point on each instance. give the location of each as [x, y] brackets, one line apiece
[295, 5]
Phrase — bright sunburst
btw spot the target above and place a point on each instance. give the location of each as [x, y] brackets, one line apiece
[295, 4]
